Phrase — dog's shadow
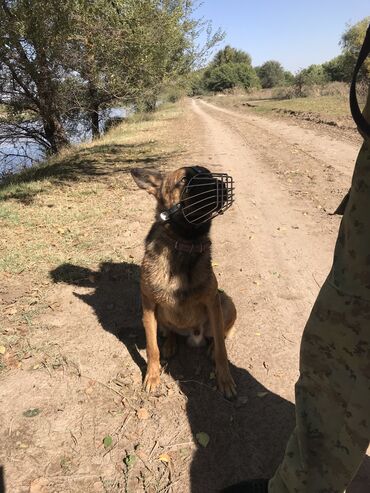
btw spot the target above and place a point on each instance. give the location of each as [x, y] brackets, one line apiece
[247, 437]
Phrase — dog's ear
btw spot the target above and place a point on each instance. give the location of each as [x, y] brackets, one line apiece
[149, 180]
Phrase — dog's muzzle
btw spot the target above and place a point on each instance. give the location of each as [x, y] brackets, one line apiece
[205, 196]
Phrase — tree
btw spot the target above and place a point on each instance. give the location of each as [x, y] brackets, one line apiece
[340, 68]
[312, 75]
[230, 75]
[288, 77]
[229, 68]
[33, 36]
[63, 61]
[271, 74]
[231, 55]
[351, 43]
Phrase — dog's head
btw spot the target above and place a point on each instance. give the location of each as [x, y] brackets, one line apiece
[189, 196]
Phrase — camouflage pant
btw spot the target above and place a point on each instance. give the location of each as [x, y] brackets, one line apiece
[332, 429]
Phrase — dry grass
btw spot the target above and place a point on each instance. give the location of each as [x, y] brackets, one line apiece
[61, 210]
[332, 106]
[325, 106]
[327, 103]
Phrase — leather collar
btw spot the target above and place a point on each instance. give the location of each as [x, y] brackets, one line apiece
[189, 246]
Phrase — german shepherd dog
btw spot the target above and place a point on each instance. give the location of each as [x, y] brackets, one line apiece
[179, 289]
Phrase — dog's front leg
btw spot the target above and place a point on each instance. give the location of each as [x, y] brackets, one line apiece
[152, 376]
[225, 381]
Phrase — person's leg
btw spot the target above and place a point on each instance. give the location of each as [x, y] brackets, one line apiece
[332, 399]
[333, 392]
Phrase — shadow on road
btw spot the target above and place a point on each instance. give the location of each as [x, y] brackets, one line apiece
[248, 436]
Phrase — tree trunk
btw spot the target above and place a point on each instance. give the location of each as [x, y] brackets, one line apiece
[55, 134]
[50, 112]
[94, 119]
[94, 109]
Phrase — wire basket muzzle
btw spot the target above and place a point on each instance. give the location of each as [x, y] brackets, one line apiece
[205, 196]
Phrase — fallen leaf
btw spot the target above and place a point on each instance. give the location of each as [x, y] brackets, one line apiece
[262, 394]
[164, 458]
[143, 414]
[32, 412]
[202, 438]
[212, 375]
[129, 460]
[214, 264]
[2, 349]
[107, 441]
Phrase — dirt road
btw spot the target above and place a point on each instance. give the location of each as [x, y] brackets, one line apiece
[277, 244]
[271, 252]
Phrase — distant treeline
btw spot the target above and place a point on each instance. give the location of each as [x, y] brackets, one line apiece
[232, 68]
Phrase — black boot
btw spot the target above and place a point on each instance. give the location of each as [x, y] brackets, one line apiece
[252, 486]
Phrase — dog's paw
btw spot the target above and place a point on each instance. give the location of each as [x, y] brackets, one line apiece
[151, 381]
[226, 384]
[169, 347]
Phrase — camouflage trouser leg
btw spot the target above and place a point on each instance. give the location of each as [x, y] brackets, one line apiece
[332, 429]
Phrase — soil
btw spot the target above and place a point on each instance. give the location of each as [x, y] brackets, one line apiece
[73, 414]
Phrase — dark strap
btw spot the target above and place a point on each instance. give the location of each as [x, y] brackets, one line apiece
[359, 118]
[362, 124]
[190, 247]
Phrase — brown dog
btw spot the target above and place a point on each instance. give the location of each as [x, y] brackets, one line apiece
[178, 286]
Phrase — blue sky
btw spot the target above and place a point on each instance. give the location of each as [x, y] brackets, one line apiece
[296, 33]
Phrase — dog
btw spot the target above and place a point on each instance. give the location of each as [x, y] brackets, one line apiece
[179, 289]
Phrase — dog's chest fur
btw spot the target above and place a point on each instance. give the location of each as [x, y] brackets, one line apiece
[174, 278]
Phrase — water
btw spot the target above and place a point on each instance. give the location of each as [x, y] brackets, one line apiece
[24, 152]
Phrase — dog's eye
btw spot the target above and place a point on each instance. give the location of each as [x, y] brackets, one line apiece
[182, 181]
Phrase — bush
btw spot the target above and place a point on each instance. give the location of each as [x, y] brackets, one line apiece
[196, 84]
[271, 74]
[173, 94]
[287, 92]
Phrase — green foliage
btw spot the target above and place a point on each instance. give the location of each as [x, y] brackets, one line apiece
[271, 74]
[229, 68]
[231, 55]
[230, 75]
[196, 86]
[312, 75]
[61, 61]
[288, 78]
[340, 68]
[351, 42]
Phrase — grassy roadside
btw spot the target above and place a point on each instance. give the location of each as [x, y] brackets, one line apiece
[64, 207]
[333, 109]
[73, 209]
